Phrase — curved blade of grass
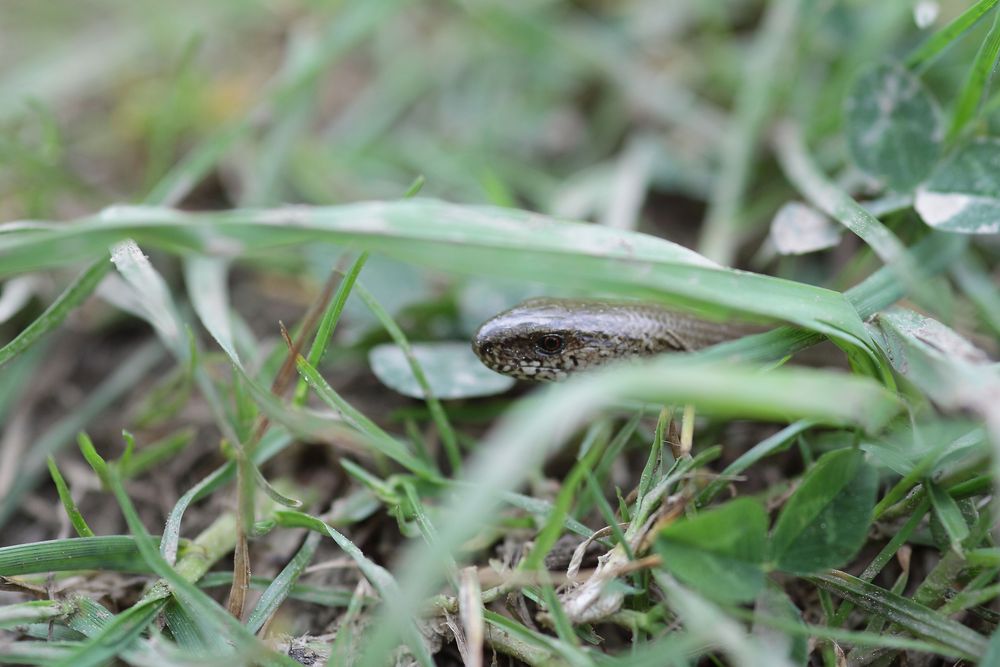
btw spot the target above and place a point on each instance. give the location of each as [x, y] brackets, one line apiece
[801, 170]
[272, 443]
[281, 586]
[154, 296]
[772, 445]
[206, 286]
[161, 312]
[498, 242]
[57, 311]
[206, 283]
[382, 441]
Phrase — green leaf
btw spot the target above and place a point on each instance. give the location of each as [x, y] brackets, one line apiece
[826, 520]
[894, 129]
[720, 551]
[798, 229]
[451, 368]
[963, 193]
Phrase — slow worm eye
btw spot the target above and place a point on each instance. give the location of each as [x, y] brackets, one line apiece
[550, 343]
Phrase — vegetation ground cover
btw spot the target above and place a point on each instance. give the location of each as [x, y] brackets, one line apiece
[245, 245]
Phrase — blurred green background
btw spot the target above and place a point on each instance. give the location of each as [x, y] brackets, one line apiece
[571, 108]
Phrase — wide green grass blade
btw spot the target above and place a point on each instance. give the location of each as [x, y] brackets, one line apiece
[914, 617]
[104, 552]
[495, 242]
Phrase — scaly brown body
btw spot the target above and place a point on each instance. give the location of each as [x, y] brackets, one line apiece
[547, 339]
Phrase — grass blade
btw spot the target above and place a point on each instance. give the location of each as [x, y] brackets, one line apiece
[57, 311]
[914, 617]
[946, 36]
